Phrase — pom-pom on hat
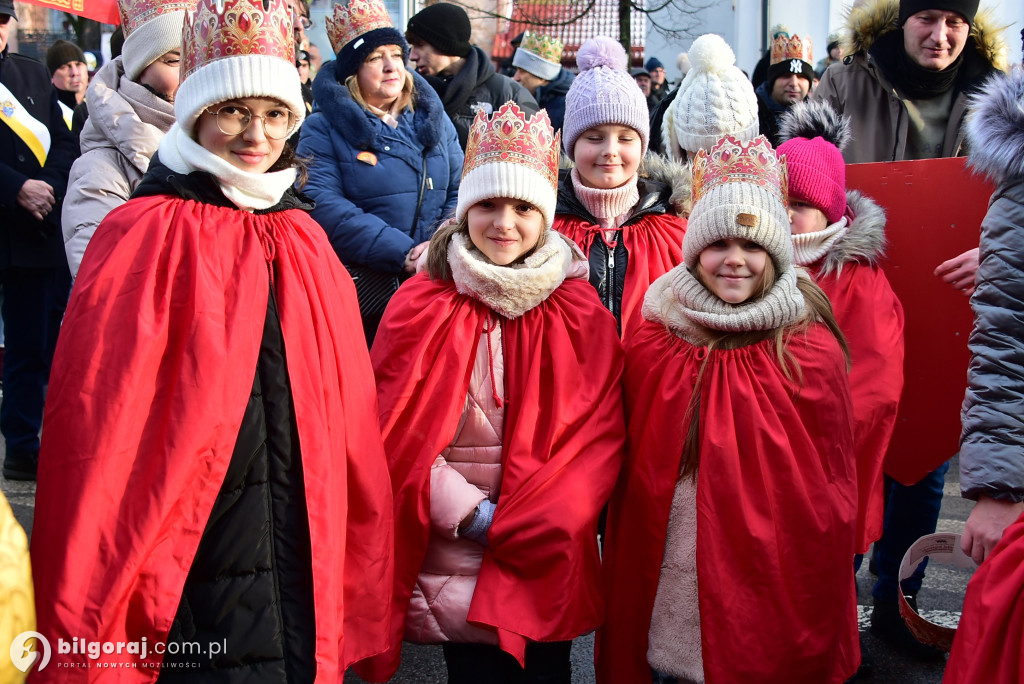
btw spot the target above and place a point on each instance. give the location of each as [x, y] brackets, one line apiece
[739, 191]
[151, 28]
[603, 93]
[813, 137]
[714, 100]
[357, 29]
[540, 55]
[510, 156]
[233, 49]
[444, 26]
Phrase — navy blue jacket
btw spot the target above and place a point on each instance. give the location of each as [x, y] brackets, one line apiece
[367, 178]
[24, 241]
[551, 97]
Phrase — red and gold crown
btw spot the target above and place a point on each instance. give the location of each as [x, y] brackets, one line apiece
[135, 13]
[510, 139]
[791, 47]
[731, 161]
[232, 28]
[358, 17]
[547, 48]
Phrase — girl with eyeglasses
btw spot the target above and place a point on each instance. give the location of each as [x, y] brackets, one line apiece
[212, 412]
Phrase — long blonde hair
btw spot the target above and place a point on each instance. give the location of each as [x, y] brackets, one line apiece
[819, 310]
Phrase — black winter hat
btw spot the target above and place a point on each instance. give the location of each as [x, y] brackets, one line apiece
[62, 52]
[785, 68]
[355, 52]
[967, 8]
[445, 27]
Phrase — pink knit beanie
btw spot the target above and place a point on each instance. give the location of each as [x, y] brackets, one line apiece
[603, 93]
[814, 135]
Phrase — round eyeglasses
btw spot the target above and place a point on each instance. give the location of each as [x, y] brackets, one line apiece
[278, 123]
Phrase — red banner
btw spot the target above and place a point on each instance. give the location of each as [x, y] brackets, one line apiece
[104, 11]
[934, 210]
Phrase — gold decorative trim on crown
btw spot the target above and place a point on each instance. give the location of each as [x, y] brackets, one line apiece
[135, 13]
[547, 48]
[358, 17]
[510, 139]
[731, 161]
[231, 28]
[792, 47]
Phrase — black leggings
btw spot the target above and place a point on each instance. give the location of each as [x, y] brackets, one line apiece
[546, 663]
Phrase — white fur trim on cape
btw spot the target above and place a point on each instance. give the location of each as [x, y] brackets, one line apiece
[248, 191]
[509, 290]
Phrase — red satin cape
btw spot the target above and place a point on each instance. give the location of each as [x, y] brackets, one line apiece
[562, 450]
[153, 369]
[871, 316]
[987, 647]
[655, 247]
[776, 510]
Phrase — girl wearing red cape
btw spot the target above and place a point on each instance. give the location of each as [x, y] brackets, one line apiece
[730, 534]
[498, 376]
[211, 470]
[839, 236]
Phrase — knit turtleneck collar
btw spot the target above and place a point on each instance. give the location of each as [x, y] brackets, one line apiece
[682, 304]
[809, 247]
[509, 290]
[610, 207]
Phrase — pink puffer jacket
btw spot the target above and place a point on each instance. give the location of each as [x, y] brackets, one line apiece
[466, 473]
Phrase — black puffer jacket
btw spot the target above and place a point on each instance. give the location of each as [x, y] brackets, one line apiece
[250, 587]
[992, 443]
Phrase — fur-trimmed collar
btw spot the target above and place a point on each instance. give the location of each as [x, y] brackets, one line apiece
[995, 128]
[676, 176]
[870, 21]
[355, 123]
[510, 290]
[864, 239]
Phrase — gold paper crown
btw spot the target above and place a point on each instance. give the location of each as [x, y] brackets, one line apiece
[135, 13]
[359, 17]
[731, 161]
[231, 28]
[510, 139]
[791, 47]
[547, 48]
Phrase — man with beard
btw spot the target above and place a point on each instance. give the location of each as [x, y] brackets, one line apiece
[461, 73]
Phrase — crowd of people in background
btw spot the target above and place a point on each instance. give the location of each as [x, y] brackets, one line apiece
[315, 357]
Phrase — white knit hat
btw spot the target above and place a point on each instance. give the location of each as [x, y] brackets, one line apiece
[714, 100]
[540, 55]
[603, 93]
[253, 57]
[736, 199]
[510, 156]
[151, 29]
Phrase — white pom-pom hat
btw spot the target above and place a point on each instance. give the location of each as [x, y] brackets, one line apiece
[714, 100]
[603, 93]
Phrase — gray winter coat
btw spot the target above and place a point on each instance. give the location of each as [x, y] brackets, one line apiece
[992, 443]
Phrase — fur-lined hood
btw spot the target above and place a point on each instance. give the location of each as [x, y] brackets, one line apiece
[673, 174]
[872, 20]
[995, 128]
[864, 239]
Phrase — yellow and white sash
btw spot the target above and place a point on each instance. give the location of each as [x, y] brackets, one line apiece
[31, 130]
[68, 113]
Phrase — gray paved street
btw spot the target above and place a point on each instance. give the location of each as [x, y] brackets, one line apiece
[940, 599]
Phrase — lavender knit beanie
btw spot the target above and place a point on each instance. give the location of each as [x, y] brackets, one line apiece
[603, 93]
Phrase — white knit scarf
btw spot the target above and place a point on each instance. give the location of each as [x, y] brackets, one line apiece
[514, 289]
[681, 303]
[809, 247]
[247, 191]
